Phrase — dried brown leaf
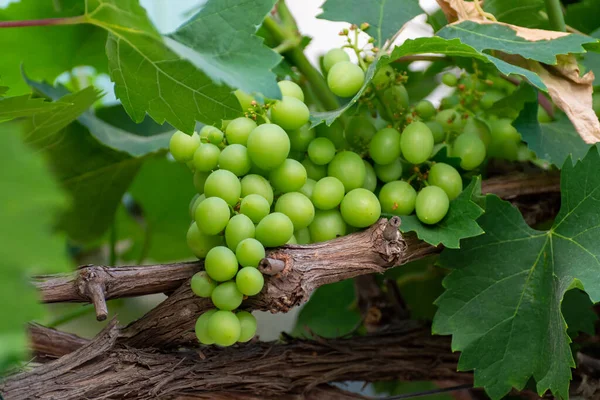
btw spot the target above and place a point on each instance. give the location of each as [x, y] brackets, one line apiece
[459, 10]
[572, 93]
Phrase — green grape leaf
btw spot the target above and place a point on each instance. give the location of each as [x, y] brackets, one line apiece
[583, 15]
[25, 106]
[525, 13]
[554, 141]
[151, 78]
[384, 17]
[162, 189]
[95, 176]
[316, 118]
[236, 56]
[455, 48]
[47, 51]
[459, 223]
[29, 202]
[107, 134]
[505, 39]
[591, 60]
[330, 312]
[577, 308]
[511, 105]
[502, 302]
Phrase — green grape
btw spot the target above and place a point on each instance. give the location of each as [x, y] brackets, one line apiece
[224, 184]
[247, 326]
[449, 79]
[235, 158]
[370, 182]
[268, 146]
[245, 99]
[398, 198]
[206, 157]
[360, 208]
[480, 128]
[507, 149]
[383, 76]
[297, 207]
[202, 285]
[226, 296]
[489, 98]
[524, 154]
[302, 236]
[389, 172]
[224, 328]
[385, 146]
[359, 132]
[502, 129]
[201, 328]
[249, 281]
[221, 264]
[321, 151]
[300, 138]
[249, 252]
[349, 168]
[333, 57]
[183, 146]
[255, 207]
[199, 243]
[450, 120]
[204, 133]
[314, 171]
[431, 205]
[396, 97]
[544, 117]
[328, 193]
[289, 113]
[450, 102]
[446, 177]
[199, 180]
[289, 176]
[308, 188]
[437, 130]
[470, 149]
[345, 79]
[334, 132]
[291, 89]
[215, 135]
[238, 130]
[274, 230]
[292, 240]
[425, 109]
[416, 142]
[256, 184]
[197, 199]
[327, 225]
[212, 215]
[240, 227]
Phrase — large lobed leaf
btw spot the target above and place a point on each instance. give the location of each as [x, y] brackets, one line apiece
[385, 17]
[526, 13]
[95, 176]
[151, 78]
[29, 202]
[502, 302]
[235, 56]
[459, 223]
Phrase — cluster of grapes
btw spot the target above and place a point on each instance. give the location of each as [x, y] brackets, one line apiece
[266, 179]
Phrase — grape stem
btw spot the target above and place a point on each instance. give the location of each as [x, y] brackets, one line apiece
[555, 15]
[297, 57]
[43, 22]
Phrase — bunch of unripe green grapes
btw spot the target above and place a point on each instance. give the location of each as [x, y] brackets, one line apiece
[267, 179]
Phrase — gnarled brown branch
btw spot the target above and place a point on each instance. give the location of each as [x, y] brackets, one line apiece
[104, 368]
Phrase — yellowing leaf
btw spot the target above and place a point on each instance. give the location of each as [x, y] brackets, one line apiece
[572, 94]
[458, 10]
